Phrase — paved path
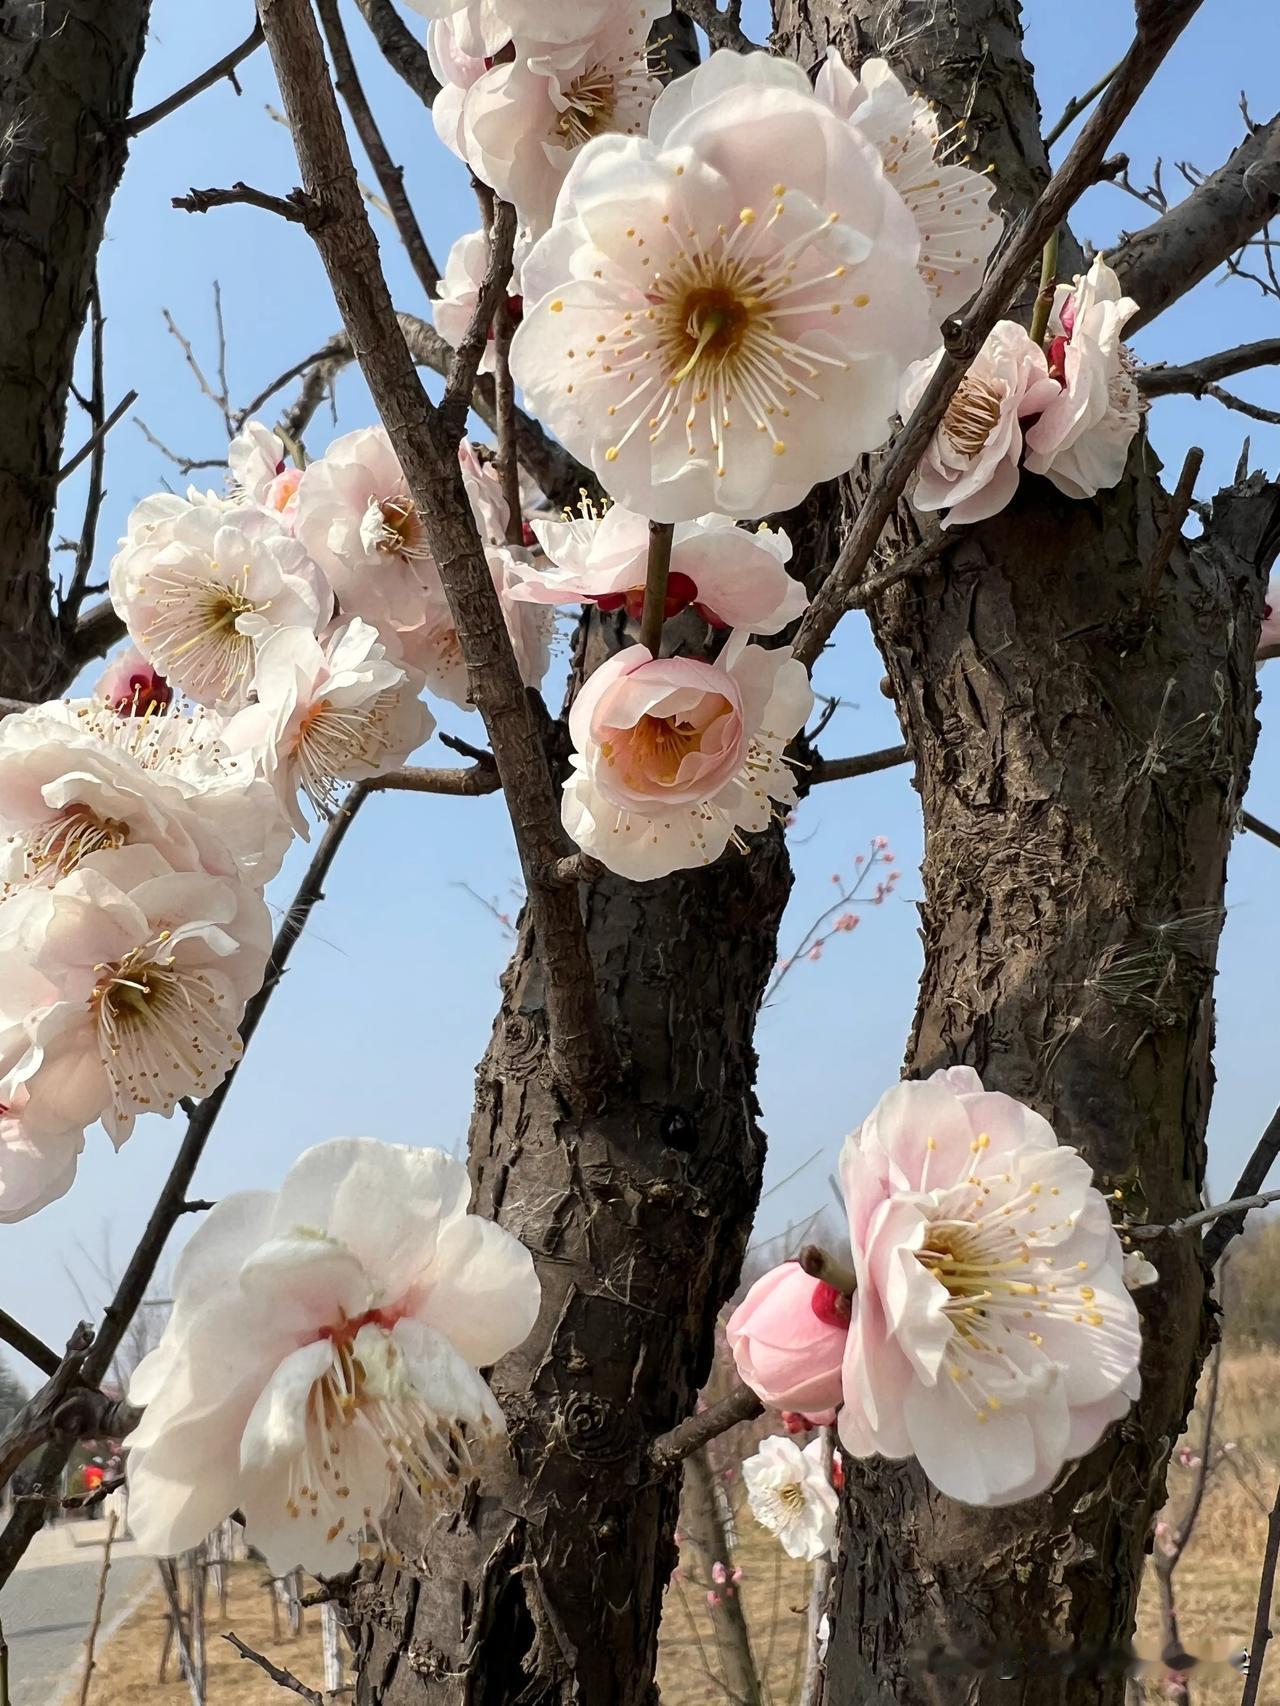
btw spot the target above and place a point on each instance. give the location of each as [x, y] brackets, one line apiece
[47, 1608]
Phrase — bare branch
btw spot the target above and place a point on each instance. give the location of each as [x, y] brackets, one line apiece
[43, 1356]
[670, 1449]
[33, 1424]
[426, 442]
[1262, 830]
[504, 393]
[1171, 531]
[723, 30]
[1194, 377]
[927, 551]
[285, 1678]
[77, 589]
[657, 574]
[1168, 258]
[1238, 1207]
[479, 779]
[1262, 1616]
[390, 176]
[1241, 405]
[225, 67]
[864, 764]
[1076, 105]
[92, 1638]
[184, 464]
[1156, 33]
[93, 444]
[297, 207]
[401, 49]
[95, 633]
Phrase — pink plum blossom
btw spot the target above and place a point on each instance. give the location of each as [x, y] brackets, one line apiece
[200, 596]
[524, 119]
[121, 988]
[749, 247]
[733, 578]
[791, 1495]
[1269, 638]
[261, 474]
[36, 1168]
[132, 686]
[970, 466]
[434, 650]
[950, 203]
[485, 27]
[325, 715]
[1081, 441]
[323, 1355]
[992, 1336]
[787, 1337]
[459, 291]
[674, 758]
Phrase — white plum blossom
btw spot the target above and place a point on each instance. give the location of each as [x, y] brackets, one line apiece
[992, 1336]
[77, 780]
[36, 1168]
[951, 204]
[1269, 635]
[435, 650]
[459, 291]
[970, 466]
[675, 758]
[260, 472]
[1138, 1271]
[325, 715]
[322, 1355]
[733, 578]
[485, 27]
[722, 311]
[450, 45]
[200, 593]
[1081, 441]
[524, 119]
[121, 988]
[790, 1494]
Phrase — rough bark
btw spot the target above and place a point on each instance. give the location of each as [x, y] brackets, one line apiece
[66, 80]
[1080, 762]
[550, 1591]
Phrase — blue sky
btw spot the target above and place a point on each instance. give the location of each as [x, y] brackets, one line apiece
[380, 1023]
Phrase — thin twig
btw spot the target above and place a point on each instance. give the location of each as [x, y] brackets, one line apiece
[1241, 405]
[1251, 1181]
[45, 1358]
[225, 67]
[963, 337]
[401, 49]
[504, 392]
[93, 443]
[479, 779]
[285, 1678]
[1263, 831]
[390, 176]
[821, 1265]
[1044, 296]
[1237, 1206]
[1076, 105]
[461, 378]
[297, 207]
[657, 575]
[1164, 379]
[1171, 531]
[672, 1448]
[1262, 1616]
[99, 1602]
[926, 552]
[863, 764]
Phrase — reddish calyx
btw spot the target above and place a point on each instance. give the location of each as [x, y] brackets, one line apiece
[682, 592]
[831, 1307]
[345, 1332]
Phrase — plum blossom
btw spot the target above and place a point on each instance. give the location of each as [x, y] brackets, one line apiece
[970, 466]
[435, 650]
[328, 714]
[950, 204]
[459, 291]
[1138, 1271]
[36, 1168]
[992, 1336]
[524, 119]
[133, 687]
[260, 473]
[1269, 637]
[790, 1494]
[323, 1353]
[675, 758]
[200, 596]
[121, 988]
[485, 27]
[733, 578]
[76, 780]
[706, 335]
[1081, 441]
[787, 1337]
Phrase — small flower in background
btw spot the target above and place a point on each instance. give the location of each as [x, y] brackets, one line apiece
[787, 1337]
[790, 1495]
[322, 1355]
[131, 686]
[713, 1598]
[1269, 637]
[992, 1336]
[1138, 1271]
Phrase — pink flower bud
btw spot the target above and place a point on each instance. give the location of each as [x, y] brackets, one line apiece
[131, 686]
[847, 921]
[815, 953]
[719, 1573]
[713, 1599]
[787, 1337]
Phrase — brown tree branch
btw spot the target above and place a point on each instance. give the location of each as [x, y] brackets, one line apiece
[1262, 1616]
[1250, 1182]
[1157, 30]
[479, 779]
[426, 442]
[296, 207]
[93, 445]
[401, 49]
[96, 1624]
[1241, 405]
[863, 764]
[1171, 531]
[1166, 259]
[670, 1449]
[225, 67]
[96, 632]
[723, 29]
[44, 1357]
[33, 1424]
[390, 176]
[926, 552]
[1263, 831]
[77, 589]
[285, 1678]
[1237, 1208]
[1164, 379]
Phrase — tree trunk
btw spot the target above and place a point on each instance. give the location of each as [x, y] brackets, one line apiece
[551, 1590]
[1080, 760]
[66, 81]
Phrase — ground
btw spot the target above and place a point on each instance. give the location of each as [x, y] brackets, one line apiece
[46, 1609]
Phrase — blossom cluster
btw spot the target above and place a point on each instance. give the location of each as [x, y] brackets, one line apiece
[986, 1326]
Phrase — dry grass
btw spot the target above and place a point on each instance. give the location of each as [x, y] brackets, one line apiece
[125, 1674]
